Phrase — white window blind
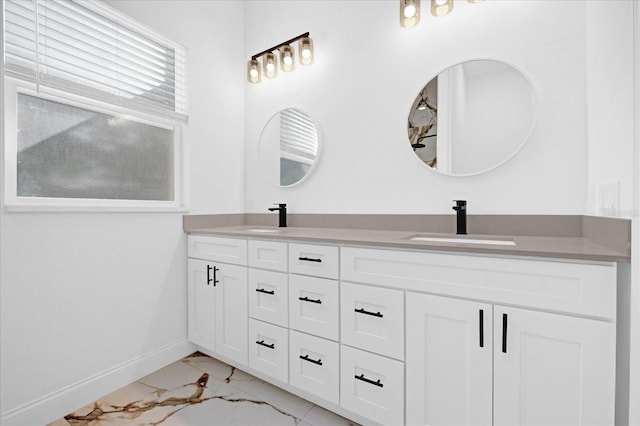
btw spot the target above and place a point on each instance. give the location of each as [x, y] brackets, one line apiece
[298, 136]
[86, 48]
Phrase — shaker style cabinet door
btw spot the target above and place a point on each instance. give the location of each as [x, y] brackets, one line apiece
[552, 369]
[231, 310]
[201, 300]
[448, 361]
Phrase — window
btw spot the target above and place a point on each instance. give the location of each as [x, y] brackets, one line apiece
[94, 107]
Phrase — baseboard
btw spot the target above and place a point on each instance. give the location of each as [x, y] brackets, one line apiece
[59, 403]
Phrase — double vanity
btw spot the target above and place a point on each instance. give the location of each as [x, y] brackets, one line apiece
[401, 327]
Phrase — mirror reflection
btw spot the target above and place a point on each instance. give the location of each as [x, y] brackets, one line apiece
[471, 117]
[288, 147]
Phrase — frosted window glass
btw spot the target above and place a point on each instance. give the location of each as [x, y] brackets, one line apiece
[70, 152]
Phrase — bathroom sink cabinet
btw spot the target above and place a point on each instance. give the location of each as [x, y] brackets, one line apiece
[217, 296]
[550, 368]
[387, 336]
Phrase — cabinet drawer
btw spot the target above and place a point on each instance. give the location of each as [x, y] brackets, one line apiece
[372, 386]
[319, 261]
[227, 250]
[314, 365]
[269, 296]
[268, 255]
[313, 306]
[269, 349]
[573, 287]
[373, 319]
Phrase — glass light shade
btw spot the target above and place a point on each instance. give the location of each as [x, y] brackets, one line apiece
[269, 65]
[306, 51]
[253, 71]
[409, 13]
[286, 59]
[441, 7]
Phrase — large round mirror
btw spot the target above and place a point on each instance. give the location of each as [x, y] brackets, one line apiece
[288, 147]
[471, 117]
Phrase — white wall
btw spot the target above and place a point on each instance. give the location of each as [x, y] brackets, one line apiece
[366, 75]
[609, 71]
[92, 301]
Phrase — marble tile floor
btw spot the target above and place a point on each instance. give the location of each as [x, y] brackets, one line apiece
[201, 391]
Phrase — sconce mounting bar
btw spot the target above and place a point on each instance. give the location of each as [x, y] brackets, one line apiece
[257, 55]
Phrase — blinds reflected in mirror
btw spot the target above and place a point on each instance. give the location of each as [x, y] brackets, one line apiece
[298, 136]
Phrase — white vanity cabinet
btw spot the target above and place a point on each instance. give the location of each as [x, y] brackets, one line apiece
[548, 361]
[217, 296]
[412, 337]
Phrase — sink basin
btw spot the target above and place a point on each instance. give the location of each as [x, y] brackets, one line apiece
[505, 242]
[263, 230]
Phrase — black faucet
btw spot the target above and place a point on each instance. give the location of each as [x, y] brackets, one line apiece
[461, 219]
[282, 216]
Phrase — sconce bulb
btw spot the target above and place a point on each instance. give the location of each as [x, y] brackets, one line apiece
[410, 11]
[306, 51]
[287, 60]
[422, 107]
[253, 73]
[441, 7]
[270, 67]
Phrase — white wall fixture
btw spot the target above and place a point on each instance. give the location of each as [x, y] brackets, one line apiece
[287, 60]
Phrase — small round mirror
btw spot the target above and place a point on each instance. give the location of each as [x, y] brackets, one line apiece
[288, 148]
[471, 118]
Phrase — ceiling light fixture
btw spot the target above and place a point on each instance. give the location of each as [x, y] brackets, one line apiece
[287, 58]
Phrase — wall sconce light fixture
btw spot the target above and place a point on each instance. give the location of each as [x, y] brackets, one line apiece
[287, 59]
[441, 7]
[410, 10]
[409, 13]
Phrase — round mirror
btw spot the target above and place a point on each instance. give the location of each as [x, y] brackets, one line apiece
[471, 117]
[288, 147]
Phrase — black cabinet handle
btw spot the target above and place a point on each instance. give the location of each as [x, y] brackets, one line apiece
[504, 333]
[481, 328]
[266, 345]
[262, 290]
[309, 259]
[375, 314]
[215, 280]
[364, 379]
[314, 361]
[209, 268]
[306, 299]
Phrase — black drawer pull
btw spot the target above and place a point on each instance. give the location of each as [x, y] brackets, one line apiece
[209, 279]
[504, 333]
[309, 259]
[306, 299]
[364, 379]
[374, 314]
[262, 290]
[314, 361]
[266, 345]
[481, 328]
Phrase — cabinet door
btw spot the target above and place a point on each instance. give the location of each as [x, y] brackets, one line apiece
[231, 309]
[202, 305]
[448, 361]
[552, 369]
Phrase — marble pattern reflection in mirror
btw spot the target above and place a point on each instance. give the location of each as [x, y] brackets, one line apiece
[289, 147]
[471, 118]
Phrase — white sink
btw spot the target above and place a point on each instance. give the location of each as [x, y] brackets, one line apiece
[464, 240]
[263, 230]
